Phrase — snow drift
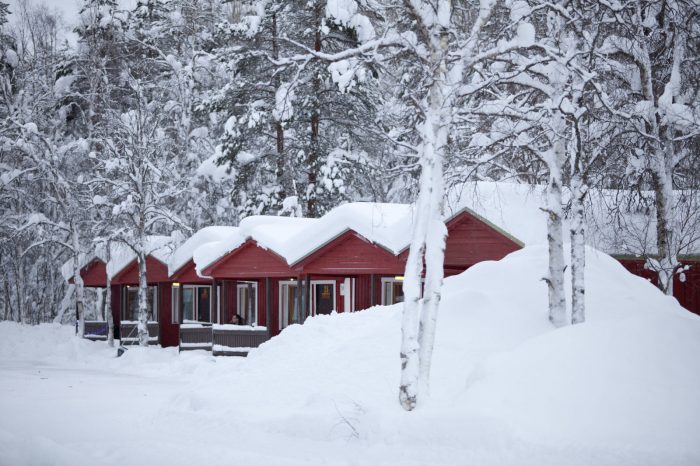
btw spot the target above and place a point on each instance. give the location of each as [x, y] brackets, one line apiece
[626, 380]
[507, 388]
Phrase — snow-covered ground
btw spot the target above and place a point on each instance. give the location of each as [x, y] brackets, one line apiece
[506, 388]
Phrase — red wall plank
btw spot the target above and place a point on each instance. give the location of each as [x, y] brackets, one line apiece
[469, 240]
[249, 261]
[350, 254]
[187, 274]
[94, 274]
[169, 332]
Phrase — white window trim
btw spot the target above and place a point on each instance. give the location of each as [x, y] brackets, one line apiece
[195, 304]
[313, 294]
[154, 288]
[175, 305]
[282, 321]
[244, 285]
[391, 280]
[219, 290]
[348, 294]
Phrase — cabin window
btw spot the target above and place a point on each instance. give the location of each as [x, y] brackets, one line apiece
[247, 300]
[392, 290]
[131, 309]
[175, 314]
[196, 303]
[289, 304]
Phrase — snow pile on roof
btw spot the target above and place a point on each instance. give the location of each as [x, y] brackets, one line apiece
[67, 267]
[274, 233]
[159, 247]
[624, 384]
[268, 231]
[293, 238]
[183, 254]
[513, 208]
[615, 222]
[388, 225]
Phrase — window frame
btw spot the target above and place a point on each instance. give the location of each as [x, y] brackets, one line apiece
[195, 305]
[386, 281]
[246, 285]
[282, 322]
[127, 289]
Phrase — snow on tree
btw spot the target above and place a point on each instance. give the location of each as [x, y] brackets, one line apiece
[649, 57]
[140, 184]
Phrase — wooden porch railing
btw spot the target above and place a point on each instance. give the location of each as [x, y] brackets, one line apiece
[130, 334]
[95, 330]
[195, 336]
[237, 340]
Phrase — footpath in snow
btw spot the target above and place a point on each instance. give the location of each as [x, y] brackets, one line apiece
[507, 388]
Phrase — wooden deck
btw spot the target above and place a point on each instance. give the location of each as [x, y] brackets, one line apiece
[130, 335]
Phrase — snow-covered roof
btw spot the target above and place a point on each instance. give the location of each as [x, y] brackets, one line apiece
[270, 232]
[513, 208]
[612, 224]
[122, 255]
[159, 247]
[184, 253]
[67, 267]
[388, 225]
[292, 238]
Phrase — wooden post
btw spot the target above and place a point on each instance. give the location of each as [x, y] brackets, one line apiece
[307, 297]
[372, 292]
[268, 305]
[215, 302]
[300, 283]
[235, 298]
[181, 303]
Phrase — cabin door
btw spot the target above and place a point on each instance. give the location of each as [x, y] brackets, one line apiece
[323, 296]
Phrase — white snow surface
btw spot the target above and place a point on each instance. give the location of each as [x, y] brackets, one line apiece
[506, 389]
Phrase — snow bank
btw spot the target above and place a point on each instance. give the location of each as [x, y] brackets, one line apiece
[506, 389]
[629, 375]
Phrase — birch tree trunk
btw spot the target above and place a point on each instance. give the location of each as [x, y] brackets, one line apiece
[578, 252]
[436, 126]
[143, 298]
[428, 241]
[78, 281]
[555, 235]
[109, 317]
[663, 157]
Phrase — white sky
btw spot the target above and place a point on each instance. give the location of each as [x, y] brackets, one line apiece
[67, 8]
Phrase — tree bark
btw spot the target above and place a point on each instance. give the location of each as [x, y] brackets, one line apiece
[578, 252]
[109, 317]
[143, 299]
[78, 281]
[428, 242]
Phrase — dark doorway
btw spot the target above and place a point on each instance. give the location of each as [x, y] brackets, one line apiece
[324, 294]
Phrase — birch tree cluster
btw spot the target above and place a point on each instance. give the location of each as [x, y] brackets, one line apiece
[178, 114]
